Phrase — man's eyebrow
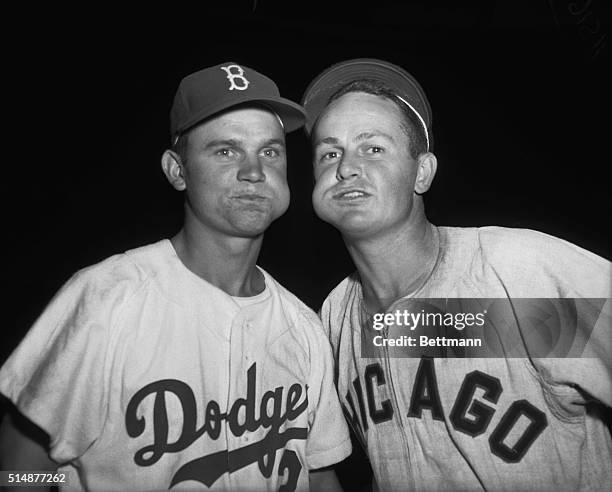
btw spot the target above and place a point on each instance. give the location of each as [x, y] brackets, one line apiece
[358, 138]
[222, 143]
[232, 142]
[326, 140]
[275, 141]
[374, 133]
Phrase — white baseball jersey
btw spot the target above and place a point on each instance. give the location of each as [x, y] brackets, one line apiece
[487, 423]
[147, 377]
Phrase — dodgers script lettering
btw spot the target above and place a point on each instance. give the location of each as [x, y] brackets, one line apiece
[275, 409]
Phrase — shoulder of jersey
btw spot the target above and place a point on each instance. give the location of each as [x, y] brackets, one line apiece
[131, 267]
[504, 243]
[289, 297]
[340, 291]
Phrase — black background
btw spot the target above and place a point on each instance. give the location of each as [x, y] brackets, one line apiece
[519, 91]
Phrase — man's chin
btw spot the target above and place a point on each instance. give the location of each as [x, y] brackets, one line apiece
[252, 223]
[353, 226]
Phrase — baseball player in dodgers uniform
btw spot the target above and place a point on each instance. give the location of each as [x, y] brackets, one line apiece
[181, 364]
[430, 423]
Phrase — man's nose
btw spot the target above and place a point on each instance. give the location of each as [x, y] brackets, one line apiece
[349, 167]
[251, 170]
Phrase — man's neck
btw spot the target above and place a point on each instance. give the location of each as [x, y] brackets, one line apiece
[228, 263]
[395, 265]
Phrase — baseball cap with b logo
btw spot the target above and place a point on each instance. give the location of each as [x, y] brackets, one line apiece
[209, 91]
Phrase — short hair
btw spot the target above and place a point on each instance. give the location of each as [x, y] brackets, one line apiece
[412, 126]
[180, 145]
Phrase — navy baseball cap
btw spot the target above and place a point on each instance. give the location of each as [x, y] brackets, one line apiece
[405, 86]
[209, 91]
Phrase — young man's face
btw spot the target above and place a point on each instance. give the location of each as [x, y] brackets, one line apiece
[235, 174]
[364, 175]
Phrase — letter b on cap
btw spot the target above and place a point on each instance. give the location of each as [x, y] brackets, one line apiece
[236, 72]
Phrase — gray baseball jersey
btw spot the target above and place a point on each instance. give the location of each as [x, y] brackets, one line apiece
[147, 377]
[486, 423]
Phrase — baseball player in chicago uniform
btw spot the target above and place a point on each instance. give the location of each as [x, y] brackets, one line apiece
[429, 422]
[182, 364]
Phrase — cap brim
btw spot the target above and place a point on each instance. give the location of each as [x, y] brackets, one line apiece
[319, 91]
[292, 114]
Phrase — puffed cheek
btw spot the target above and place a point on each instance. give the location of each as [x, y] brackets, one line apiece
[285, 197]
[281, 190]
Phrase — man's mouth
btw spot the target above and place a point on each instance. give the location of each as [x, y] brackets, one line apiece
[250, 197]
[348, 195]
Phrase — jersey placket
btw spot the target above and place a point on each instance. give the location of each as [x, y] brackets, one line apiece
[400, 419]
[241, 358]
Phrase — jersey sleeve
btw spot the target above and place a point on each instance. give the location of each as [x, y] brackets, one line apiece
[328, 438]
[535, 265]
[325, 317]
[335, 302]
[57, 376]
[588, 377]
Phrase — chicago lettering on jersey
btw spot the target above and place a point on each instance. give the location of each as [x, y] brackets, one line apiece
[468, 415]
[207, 469]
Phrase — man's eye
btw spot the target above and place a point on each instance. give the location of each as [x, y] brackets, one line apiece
[225, 152]
[329, 156]
[375, 150]
[271, 153]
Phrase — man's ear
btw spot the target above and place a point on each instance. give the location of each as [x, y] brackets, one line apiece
[427, 166]
[173, 169]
